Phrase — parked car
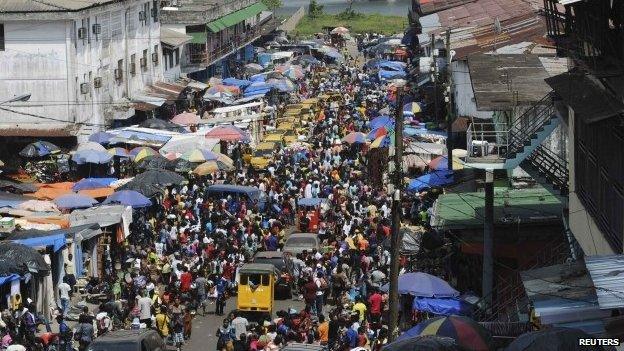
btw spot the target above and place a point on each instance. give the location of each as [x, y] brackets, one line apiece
[284, 281]
[128, 340]
[299, 242]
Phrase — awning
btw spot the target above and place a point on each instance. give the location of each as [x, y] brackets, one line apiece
[236, 17]
[198, 38]
[38, 130]
[39, 238]
[173, 38]
[83, 232]
[134, 137]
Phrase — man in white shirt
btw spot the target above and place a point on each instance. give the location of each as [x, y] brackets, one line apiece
[64, 290]
[145, 310]
[240, 325]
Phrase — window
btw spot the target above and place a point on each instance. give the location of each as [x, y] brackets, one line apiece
[116, 24]
[155, 10]
[1, 37]
[104, 21]
[146, 12]
[133, 64]
[264, 279]
[176, 55]
[244, 279]
[132, 22]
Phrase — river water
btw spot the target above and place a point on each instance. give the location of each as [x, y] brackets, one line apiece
[387, 7]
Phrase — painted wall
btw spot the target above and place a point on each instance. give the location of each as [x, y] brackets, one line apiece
[51, 60]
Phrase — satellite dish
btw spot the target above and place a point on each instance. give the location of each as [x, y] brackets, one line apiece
[497, 26]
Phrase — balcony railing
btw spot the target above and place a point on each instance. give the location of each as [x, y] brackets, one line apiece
[208, 57]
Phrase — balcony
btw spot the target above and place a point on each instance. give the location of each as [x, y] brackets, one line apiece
[200, 60]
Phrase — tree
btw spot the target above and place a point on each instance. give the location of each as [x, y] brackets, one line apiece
[315, 10]
[272, 4]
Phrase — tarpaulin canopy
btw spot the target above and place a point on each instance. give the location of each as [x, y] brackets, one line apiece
[384, 74]
[18, 259]
[38, 238]
[103, 215]
[423, 285]
[9, 278]
[241, 83]
[431, 180]
[443, 307]
[257, 88]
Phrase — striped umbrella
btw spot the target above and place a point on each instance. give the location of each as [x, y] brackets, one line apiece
[412, 108]
[355, 138]
[441, 163]
[210, 167]
[142, 151]
[383, 141]
[118, 151]
[199, 155]
[228, 133]
[464, 330]
[378, 132]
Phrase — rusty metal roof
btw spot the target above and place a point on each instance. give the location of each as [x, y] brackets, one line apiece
[431, 6]
[473, 30]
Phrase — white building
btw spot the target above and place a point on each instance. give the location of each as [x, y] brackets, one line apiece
[82, 61]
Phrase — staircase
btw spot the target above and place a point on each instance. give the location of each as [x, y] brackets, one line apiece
[549, 169]
[509, 300]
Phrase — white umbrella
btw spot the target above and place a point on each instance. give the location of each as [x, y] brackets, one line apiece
[91, 145]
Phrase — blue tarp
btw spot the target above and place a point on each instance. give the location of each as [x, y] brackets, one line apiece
[443, 307]
[264, 58]
[57, 241]
[9, 278]
[241, 83]
[429, 180]
[252, 193]
[392, 65]
[383, 74]
[260, 77]
[257, 88]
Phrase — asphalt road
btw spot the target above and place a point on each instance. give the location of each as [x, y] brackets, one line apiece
[204, 327]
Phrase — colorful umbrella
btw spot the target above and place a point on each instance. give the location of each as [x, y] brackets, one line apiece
[225, 159]
[71, 201]
[128, 198]
[464, 330]
[160, 177]
[119, 152]
[101, 137]
[39, 149]
[381, 121]
[172, 155]
[91, 156]
[186, 119]
[221, 88]
[228, 133]
[90, 145]
[210, 167]
[412, 108]
[379, 132]
[142, 151]
[440, 163]
[424, 343]
[383, 141]
[355, 138]
[199, 155]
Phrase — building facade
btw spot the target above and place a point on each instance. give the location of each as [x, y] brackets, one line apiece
[81, 62]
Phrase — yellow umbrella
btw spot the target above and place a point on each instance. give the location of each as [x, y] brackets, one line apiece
[144, 153]
[213, 166]
[223, 158]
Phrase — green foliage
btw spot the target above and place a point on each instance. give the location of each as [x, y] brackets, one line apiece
[315, 10]
[272, 4]
[361, 23]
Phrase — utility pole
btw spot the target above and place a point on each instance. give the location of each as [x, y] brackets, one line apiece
[396, 218]
[434, 78]
[488, 240]
[449, 111]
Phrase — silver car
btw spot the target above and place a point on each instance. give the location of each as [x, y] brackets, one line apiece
[299, 242]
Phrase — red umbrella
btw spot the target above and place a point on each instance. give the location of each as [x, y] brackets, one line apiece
[228, 133]
[186, 119]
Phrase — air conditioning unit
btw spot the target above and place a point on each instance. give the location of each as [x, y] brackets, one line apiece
[142, 16]
[82, 33]
[84, 88]
[155, 58]
[143, 62]
[97, 82]
[97, 28]
[132, 68]
[118, 74]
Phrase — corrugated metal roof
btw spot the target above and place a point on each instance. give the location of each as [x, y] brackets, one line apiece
[430, 6]
[473, 25]
[173, 38]
[607, 273]
[563, 294]
[49, 5]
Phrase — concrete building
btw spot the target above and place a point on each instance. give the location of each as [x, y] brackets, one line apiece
[221, 32]
[82, 62]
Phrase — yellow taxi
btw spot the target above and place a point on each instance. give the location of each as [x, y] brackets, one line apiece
[276, 136]
[263, 154]
[285, 125]
[256, 288]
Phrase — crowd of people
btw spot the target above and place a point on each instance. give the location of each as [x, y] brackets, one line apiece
[183, 253]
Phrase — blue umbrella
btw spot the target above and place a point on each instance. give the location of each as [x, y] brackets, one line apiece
[380, 122]
[91, 156]
[128, 198]
[423, 285]
[101, 137]
[88, 183]
[241, 83]
[430, 180]
[71, 201]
